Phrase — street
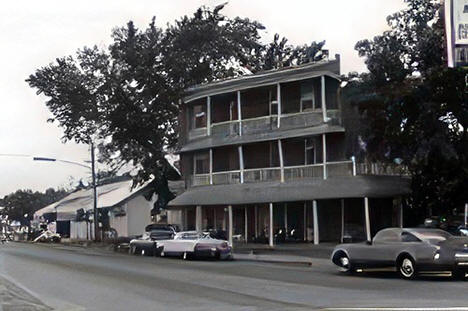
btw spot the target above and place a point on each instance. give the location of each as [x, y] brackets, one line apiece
[72, 278]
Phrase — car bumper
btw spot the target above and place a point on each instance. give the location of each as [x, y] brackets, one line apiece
[222, 254]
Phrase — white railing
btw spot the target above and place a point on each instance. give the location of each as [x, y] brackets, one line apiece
[333, 169]
[381, 169]
[222, 178]
[262, 174]
[227, 128]
[339, 169]
[258, 125]
[303, 171]
[200, 179]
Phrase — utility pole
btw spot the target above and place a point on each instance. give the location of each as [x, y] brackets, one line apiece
[95, 210]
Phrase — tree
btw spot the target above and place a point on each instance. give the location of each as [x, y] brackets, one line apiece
[127, 97]
[413, 108]
[22, 204]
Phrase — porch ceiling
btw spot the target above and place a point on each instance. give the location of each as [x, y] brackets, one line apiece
[305, 190]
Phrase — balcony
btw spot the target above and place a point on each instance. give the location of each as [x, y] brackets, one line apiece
[294, 173]
[262, 174]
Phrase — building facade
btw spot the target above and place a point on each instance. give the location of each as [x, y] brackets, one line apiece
[264, 157]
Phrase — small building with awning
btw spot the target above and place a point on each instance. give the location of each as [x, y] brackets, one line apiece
[124, 210]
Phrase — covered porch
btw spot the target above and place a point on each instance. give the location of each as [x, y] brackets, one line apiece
[313, 221]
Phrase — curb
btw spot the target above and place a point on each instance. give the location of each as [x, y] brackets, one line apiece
[256, 258]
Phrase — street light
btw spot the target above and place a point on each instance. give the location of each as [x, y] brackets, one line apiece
[93, 172]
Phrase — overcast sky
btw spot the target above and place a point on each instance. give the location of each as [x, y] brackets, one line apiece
[33, 33]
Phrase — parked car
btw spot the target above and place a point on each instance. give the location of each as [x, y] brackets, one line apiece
[408, 250]
[147, 243]
[48, 237]
[191, 244]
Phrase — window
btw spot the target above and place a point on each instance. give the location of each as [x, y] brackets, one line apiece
[201, 163]
[307, 96]
[198, 114]
[408, 237]
[310, 156]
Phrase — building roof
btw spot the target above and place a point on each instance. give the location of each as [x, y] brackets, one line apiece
[217, 141]
[304, 190]
[109, 195]
[329, 68]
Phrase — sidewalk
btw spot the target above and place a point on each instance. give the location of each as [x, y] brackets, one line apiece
[309, 250]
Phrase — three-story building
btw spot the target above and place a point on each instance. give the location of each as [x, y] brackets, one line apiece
[265, 155]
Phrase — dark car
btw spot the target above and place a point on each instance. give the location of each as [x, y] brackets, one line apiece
[147, 243]
[409, 251]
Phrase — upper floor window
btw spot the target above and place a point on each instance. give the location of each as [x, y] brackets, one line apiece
[197, 114]
[300, 96]
[259, 102]
[224, 107]
[201, 162]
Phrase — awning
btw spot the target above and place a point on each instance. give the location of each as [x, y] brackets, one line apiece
[304, 190]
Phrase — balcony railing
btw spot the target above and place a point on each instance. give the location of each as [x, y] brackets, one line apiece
[339, 169]
[200, 179]
[228, 128]
[230, 177]
[262, 174]
[381, 169]
[333, 169]
[303, 171]
[259, 125]
[265, 123]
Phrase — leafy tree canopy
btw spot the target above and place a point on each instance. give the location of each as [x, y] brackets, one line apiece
[126, 97]
[26, 202]
[413, 108]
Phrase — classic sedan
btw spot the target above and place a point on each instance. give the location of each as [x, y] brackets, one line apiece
[191, 244]
[147, 244]
[410, 251]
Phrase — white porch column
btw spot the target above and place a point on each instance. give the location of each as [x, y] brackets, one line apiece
[324, 98]
[324, 155]
[305, 221]
[280, 151]
[366, 212]
[278, 99]
[230, 224]
[286, 217]
[241, 163]
[198, 219]
[316, 222]
[239, 112]
[208, 116]
[342, 219]
[246, 226]
[256, 221]
[270, 233]
[401, 215]
[224, 219]
[211, 166]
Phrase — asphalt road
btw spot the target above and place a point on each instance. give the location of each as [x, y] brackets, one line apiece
[70, 278]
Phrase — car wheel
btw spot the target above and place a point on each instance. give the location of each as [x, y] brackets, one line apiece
[344, 263]
[131, 250]
[184, 256]
[407, 268]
